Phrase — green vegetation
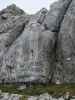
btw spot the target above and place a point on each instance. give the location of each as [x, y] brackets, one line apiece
[55, 90]
[24, 97]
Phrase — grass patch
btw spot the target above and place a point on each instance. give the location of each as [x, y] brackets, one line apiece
[55, 90]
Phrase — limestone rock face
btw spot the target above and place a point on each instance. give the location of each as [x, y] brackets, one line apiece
[55, 15]
[66, 46]
[11, 26]
[24, 53]
[29, 55]
[38, 48]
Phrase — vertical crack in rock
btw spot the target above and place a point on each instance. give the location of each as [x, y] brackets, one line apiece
[53, 21]
[56, 14]
[66, 47]
[57, 73]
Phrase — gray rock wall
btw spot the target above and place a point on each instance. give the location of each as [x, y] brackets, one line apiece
[66, 46]
[38, 48]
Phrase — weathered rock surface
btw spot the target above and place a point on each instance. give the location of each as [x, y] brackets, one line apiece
[56, 14]
[13, 10]
[29, 55]
[24, 53]
[47, 96]
[8, 96]
[66, 47]
[44, 96]
[40, 47]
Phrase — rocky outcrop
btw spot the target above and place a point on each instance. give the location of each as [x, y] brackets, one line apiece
[8, 96]
[11, 26]
[26, 57]
[44, 96]
[11, 10]
[38, 48]
[47, 96]
[56, 14]
[30, 55]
